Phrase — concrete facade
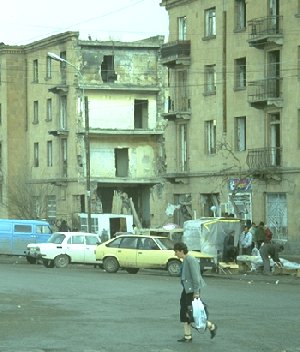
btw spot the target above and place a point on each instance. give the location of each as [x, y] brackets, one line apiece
[234, 109]
[44, 108]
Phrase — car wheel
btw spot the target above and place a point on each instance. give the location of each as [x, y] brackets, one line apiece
[48, 263]
[111, 265]
[31, 260]
[61, 261]
[174, 267]
[132, 270]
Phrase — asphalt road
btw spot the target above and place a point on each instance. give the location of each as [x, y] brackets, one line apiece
[82, 308]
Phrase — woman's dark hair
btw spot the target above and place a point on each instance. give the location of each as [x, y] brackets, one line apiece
[180, 246]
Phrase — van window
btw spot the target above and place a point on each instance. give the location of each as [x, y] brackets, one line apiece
[23, 228]
[43, 229]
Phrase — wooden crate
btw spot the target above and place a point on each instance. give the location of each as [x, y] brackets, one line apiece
[228, 268]
[287, 271]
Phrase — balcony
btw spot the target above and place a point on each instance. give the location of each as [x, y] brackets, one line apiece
[176, 53]
[179, 109]
[262, 160]
[265, 92]
[265, 30]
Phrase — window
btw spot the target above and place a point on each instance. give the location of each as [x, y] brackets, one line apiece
[91, 240]
[35, 112]
[182, 28]
[23, 228]
[210, 136]
[210, 22]
[240, 14]
[64, 155]
[210, 79]
[78, 239]
[49, 67]
[129, 242]
[182, 101]
[182, 135]
[140, 113]
[121, 162]
[274, 155]
[49, 110]
[63, 66]
[184, 210]
[107, 69]
[240, 133]
[36, 155]
[63, 113]
[35, 71]
[49, 154]
[240, 73]
[51, 207]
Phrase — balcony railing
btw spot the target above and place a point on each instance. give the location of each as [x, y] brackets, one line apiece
[265, 91]
[264, 158]
[177, 52]
[180, 108]
[264, 29]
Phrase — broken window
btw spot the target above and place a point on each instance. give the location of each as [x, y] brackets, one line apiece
[121, 162]
[184, 211]
[140, 113]
[210, 204]
[108, 69]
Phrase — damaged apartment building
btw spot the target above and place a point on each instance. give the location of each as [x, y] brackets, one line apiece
[234, 109]
[81, 126]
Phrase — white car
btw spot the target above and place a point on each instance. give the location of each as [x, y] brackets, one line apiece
[63, 248]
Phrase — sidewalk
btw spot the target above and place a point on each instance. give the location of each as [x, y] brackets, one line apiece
[252, 277]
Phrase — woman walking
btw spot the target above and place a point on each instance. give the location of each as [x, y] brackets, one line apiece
[192, 283]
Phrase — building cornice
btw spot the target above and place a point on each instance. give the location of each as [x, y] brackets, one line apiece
[169, 4]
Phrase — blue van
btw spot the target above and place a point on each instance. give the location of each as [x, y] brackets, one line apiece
[16, 234]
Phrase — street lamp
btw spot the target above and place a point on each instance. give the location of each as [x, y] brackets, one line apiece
[84, 102]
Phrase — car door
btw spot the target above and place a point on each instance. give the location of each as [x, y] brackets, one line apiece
[127, 252]
[149, 254]
[75, 248]
[90, 247]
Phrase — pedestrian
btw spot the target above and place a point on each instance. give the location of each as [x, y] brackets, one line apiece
[192, 282]
[260, 235]
[270, 250]
[229, 249]
[253, 230]
[246, 241]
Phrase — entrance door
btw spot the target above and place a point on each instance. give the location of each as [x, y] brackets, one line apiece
[276, 214]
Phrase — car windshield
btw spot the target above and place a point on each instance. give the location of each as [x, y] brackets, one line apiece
[56, 238]
[165, 243]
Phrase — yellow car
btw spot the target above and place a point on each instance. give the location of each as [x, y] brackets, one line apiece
[134, 252]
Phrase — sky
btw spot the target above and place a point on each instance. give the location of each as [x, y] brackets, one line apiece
[25, 21]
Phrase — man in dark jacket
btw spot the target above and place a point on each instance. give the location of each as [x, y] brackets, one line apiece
[270, 250]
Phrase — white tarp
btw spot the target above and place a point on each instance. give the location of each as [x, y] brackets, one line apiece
[207, 234]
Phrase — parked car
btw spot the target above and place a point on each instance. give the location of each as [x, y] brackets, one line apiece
[134, 252]
[16, 234]
[63, 248]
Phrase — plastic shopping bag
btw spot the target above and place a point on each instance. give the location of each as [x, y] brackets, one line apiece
[199, 314]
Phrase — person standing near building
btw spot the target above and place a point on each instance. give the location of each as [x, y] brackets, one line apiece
[246, 241]
[260, 234]
[192, 283]
[270, 250]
